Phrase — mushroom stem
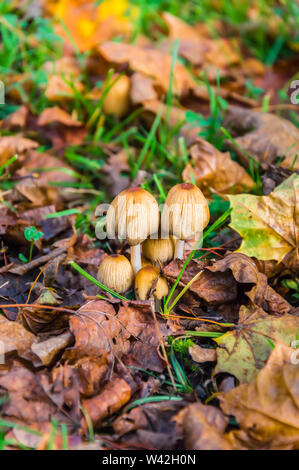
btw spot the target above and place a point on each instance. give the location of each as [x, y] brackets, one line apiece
[136, 258]
[179, 249]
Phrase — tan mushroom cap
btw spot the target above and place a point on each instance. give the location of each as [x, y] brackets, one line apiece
[186, 211]
[149, 284]
[117, 99]
[133, 215]
[158, 249]
[116, 272]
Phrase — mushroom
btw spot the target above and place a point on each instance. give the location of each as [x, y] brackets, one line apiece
[117, 99]
[149, 284]
[158, 250]
[116, 272]
[133, 215]
[185, 214]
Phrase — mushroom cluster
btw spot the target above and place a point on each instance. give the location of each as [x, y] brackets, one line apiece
[134, 216]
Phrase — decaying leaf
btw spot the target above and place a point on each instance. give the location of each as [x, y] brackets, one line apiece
[200, 50]
[243, 351]
[11, 145]
[202, 427]
[246, 272]
[213, 288]
[97, 332]
[269, 225]
[264, 136]
[14, 337]
[56, 114]
[151, 425]
[150, 62]
[215, 171]
[114, 395]
[267, 410]
[200, 354]
[49, 349]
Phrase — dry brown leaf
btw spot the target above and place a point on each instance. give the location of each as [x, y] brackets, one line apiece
[245, 271]
[139, 324]
[202, 427]
[14, 337]
[264, 136]
[58, 89]
[142, 88]
[97, 332]
[200, 354]
[215, 171]
[199, 49]
[268, 409]
[115, 168]
[48, 350]
[113, 396]
[58, 115]
[150, 62]
[27, 401]
[213, 288]
[16, 119]
[151, 426]
[12, 145]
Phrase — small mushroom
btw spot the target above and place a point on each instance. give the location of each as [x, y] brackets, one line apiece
[133, 215]
[149, 284]
[185, 214]
[116, 272]
[117, 99]
[158, 250]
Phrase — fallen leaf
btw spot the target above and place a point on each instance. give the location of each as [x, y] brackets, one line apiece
[12, 145]
[14, 337]
[56, 114]
[138, 322]
[264, 136]
[59, 90]
[243, 351]
[16, 119]
[202, 427]
[150, 62]
[213, 288]
[151, 426]
[48, 350]
[90, 23]
[200, 50]
[113, 396]
[142, 88]
[215, 171]
[268, 224]
[267, 410]
[200, 354]
[245, 271]
[97, 332]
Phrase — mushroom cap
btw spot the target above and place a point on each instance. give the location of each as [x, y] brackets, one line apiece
[149, 283]
[186, 211]
[133, 215]
[161, 249]
[117, 99]
[116, 272]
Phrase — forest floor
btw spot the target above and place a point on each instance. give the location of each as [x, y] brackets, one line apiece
[98, 97]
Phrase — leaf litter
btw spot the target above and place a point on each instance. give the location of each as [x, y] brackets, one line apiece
[223, 343]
